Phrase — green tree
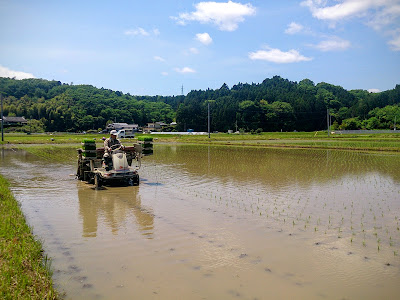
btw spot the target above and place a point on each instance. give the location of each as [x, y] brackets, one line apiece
[250, 115]
[351, 124]
[279, 116]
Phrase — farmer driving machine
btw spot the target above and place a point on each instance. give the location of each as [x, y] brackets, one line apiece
[120, 168]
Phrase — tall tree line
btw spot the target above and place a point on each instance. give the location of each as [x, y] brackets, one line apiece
[279, 104]
[275, 104]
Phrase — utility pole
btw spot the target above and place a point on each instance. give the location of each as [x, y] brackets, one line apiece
[208, 119]
[394, 127]
[328, 122]
[182, 90]
[2, 121]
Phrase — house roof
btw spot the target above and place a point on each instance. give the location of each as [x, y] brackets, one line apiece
[15, 119]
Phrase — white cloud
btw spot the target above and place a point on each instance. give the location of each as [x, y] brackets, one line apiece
[278, 56]
[294, 28]
[194, 50]
[394, 43]
[159, 58]
[226, 15]
[191, 51]
[204, 38]
[6, 72]
[185, 70]
[387, 16]
[378, 14]
[343, 9]
[142, 32]
[164, 73]
[137, 31]
[374, 90]
[334, 44]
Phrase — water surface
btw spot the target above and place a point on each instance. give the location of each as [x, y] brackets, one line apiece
[220, 223]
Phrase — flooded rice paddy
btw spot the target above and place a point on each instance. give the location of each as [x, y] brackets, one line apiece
[220, 223]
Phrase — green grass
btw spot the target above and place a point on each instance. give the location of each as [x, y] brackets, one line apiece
[24, 270]
[21, 138]
[58, 153]
[317, 140]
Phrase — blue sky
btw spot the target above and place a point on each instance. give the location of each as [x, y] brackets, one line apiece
[155, 47]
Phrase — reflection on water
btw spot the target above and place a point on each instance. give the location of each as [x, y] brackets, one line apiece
[221, 223]
[353, 193]
[113, 206]
[276, 167]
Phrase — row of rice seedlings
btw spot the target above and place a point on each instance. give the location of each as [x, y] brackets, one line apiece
[319, 211]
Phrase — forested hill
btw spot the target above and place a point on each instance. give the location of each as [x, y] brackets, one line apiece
[273, 105]
[63, 107]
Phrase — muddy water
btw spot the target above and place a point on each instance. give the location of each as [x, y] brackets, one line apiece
[220, 223]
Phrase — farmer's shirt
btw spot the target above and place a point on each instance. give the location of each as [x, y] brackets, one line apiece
[108, 143]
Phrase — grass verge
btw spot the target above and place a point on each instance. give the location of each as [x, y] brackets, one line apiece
[296, 140]
[56, 153]
[302, 140]
[24, 269]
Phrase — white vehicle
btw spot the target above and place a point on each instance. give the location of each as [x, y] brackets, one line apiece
[123, 133]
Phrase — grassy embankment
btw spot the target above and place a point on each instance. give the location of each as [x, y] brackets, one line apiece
[24, 270]
[315, 140]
